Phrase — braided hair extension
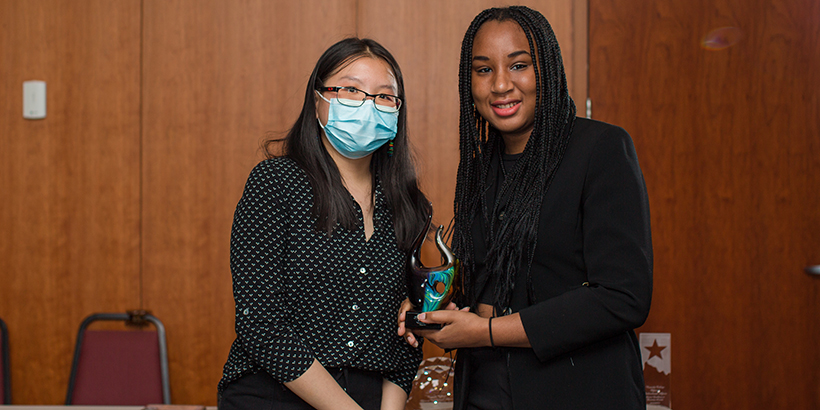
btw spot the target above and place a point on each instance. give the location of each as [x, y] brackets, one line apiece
[512, 243]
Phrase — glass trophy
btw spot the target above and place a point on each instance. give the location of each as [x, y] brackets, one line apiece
[656, 353]
[429, 289]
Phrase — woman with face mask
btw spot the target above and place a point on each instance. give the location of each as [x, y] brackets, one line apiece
[318, 247]
[552, 230]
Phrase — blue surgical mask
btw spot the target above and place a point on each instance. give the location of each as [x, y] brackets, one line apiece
[356, 132]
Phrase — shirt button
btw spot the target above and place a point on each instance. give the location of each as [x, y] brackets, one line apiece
[501, 216]
[350, 344]
[355, 307]
[362, 271]
[246, 311]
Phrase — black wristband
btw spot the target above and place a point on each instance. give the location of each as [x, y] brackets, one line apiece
[490, 325]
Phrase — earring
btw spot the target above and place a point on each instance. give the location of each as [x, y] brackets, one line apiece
[390, 149]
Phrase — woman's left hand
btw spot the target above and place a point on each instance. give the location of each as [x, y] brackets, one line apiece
[462, 328]
[403, 331]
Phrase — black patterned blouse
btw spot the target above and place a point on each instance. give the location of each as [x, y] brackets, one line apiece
[301, 294]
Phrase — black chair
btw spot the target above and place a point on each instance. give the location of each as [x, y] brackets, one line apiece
[120, 367]
[5, 366]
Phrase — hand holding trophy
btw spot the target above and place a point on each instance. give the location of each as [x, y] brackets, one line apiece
[429, 288]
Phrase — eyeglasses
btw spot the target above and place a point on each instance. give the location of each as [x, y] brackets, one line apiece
[354, 97]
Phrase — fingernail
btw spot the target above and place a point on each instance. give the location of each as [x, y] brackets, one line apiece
[422, 316]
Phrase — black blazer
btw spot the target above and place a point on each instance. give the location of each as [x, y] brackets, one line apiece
[592, 280]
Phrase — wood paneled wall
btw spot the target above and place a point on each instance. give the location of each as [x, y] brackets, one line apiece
[70, 183]
[729, 143]
[123, 196]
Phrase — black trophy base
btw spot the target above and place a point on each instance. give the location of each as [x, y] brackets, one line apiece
[411, 321]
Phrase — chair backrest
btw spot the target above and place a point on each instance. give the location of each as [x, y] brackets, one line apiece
[5, 366]
[120, 367]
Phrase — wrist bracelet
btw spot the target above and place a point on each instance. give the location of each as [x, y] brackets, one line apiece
[490, 325]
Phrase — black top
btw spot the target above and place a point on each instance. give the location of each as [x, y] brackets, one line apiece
[508, 163]
[591, 278]
[301, 294]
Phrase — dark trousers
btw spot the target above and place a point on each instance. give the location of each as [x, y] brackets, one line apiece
[486, 384]
[260, 391]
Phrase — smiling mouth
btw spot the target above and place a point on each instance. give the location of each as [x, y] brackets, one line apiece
[505, 106]
[507, 109]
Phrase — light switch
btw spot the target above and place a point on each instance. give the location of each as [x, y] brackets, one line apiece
[34, 100]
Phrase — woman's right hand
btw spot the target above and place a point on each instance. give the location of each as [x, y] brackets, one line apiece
[403, 331]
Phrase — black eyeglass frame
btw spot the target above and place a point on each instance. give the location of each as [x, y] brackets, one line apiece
[366, 94]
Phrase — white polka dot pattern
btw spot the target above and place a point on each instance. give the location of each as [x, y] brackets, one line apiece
[301, 294]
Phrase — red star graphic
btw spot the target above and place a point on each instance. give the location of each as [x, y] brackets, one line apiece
[655, 350]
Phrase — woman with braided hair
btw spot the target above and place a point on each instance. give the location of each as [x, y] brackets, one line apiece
[552, 230]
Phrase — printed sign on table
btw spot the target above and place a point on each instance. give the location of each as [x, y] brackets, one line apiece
[656, 352]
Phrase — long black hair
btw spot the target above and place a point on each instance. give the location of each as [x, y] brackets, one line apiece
[396, 172]
[511, 245]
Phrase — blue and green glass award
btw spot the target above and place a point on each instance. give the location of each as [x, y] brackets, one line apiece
[429, 289]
